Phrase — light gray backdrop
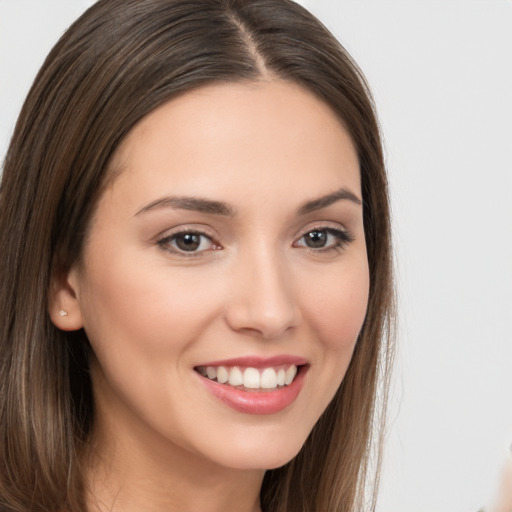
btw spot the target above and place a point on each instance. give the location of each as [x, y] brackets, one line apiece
[441, 72]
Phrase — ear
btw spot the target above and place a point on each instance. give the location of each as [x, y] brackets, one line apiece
[64, 307]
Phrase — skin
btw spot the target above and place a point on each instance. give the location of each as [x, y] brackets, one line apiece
[503, 502]
[161, 441]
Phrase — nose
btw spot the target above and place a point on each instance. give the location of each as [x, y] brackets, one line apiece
[263, 300]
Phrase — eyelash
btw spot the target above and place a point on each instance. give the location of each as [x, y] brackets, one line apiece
[165, 243]
[342, 239]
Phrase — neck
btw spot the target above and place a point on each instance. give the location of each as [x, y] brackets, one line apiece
[129, 474]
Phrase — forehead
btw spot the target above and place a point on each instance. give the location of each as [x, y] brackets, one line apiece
[239, 139]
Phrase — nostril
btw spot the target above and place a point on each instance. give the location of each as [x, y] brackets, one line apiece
[251, 320]
[262, 300]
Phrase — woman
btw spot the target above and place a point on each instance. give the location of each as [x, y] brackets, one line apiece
[196, 278]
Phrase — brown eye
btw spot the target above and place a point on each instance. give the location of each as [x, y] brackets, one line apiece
[324, 239]
[316, 239]
[188, 241]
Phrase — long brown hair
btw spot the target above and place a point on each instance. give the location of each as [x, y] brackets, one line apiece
[118, 62]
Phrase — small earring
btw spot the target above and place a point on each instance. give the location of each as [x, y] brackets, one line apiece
[63, 312]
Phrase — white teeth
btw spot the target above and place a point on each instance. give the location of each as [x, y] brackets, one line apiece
[235, 377]
[290, 374]
[269, 378]
[222, 375]
[251, 378]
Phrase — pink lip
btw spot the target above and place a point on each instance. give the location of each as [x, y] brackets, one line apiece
[259, 362]
[256, 402]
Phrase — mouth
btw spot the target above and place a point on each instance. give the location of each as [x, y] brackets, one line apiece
[250, 378]
[253, 385]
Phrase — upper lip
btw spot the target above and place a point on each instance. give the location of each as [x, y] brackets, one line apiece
[259, 362]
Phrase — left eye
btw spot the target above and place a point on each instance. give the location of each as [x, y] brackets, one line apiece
[325, 238]
[187, 242]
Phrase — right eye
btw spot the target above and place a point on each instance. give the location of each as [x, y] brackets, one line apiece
[188, 243]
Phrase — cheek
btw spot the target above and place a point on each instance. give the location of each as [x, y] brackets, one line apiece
[141, 322]
[337, 307]
[144, 307]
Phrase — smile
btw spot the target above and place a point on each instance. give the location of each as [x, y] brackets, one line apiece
[254, 385]
[250, 378]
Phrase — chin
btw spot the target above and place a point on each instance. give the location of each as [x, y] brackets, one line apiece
[262, 455]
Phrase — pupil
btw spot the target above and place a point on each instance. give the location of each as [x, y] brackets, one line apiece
[316, 239]
[188, 241]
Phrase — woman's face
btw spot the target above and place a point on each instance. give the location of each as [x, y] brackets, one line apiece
[228, 252]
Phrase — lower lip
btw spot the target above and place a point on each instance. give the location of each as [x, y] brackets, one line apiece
[257, 402]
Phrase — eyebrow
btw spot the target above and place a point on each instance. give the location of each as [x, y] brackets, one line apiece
[325, 201]
[197, 204]
[208, 206]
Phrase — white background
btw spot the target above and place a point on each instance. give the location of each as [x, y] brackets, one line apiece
[441, 72]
